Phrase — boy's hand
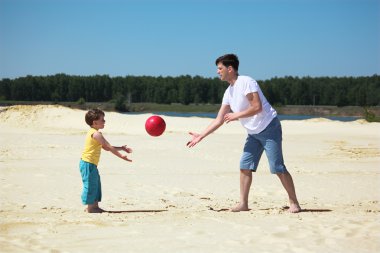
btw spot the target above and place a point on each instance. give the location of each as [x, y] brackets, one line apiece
[124, 157]
[126, 149]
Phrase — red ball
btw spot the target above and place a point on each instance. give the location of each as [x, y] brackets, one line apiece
[155, 125]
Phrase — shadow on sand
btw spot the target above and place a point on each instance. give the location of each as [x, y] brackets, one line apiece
[308, 210]
[316, 210]
[137, 211]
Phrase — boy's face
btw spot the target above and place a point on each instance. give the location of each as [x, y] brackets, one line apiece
[99, 124]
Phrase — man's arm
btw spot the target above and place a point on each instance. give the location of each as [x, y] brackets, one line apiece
[215, 124]
[254, 108]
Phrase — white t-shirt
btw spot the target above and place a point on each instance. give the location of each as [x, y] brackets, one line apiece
[235, 97]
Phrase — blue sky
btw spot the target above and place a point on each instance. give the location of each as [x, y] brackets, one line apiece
[174, 37]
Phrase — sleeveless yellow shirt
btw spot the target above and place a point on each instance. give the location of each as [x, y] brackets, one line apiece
[92, 148]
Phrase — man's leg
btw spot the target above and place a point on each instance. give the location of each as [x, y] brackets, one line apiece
[287, 182]
[271, 138]
[245, 185]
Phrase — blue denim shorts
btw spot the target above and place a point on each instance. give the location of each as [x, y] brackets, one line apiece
[270, 140]
[92, 188]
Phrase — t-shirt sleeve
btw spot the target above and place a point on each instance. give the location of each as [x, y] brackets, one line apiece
[225, 100]
[251, 86]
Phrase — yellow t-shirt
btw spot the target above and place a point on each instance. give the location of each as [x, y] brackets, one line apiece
[92, 148]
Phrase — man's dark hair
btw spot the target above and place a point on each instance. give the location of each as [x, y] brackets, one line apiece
[229, 60]
[92, 115]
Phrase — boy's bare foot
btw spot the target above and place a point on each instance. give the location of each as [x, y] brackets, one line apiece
[240, 207]
[294, 208]
[94, 210]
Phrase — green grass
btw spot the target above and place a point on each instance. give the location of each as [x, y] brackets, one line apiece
[370, 115]
[152, 107]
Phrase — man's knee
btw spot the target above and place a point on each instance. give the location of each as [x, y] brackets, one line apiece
[246, 172]
[283, 174]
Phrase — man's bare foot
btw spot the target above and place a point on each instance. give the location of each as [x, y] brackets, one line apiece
[294, 208]
[240, 208]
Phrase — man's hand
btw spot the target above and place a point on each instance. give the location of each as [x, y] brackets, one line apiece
[230, 117]
[195, 139]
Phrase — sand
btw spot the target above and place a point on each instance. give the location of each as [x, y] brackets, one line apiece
[173, 199]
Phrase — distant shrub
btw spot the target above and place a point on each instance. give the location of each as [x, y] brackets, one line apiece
[370, 116]
[81, 101]
[120, 103]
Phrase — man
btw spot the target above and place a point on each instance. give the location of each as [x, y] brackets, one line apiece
[243, 100]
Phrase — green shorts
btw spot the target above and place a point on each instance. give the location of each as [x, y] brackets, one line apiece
[92, 188]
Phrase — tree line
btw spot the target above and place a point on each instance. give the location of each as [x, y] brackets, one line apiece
[339, 91]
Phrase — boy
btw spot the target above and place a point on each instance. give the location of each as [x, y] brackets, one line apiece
[92, 192]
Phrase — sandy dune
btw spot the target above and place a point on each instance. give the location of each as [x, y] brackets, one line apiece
[172, 199]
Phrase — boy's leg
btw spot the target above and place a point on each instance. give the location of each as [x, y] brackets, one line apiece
[91, 194]
[97, 206]
[245, 185]
[94, 208]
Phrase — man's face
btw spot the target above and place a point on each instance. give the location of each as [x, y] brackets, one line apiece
[222, 71]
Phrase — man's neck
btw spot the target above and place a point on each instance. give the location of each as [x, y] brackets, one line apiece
[232, 80]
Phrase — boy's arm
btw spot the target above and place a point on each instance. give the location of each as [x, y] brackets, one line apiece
[108, 147]
[124, 148]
